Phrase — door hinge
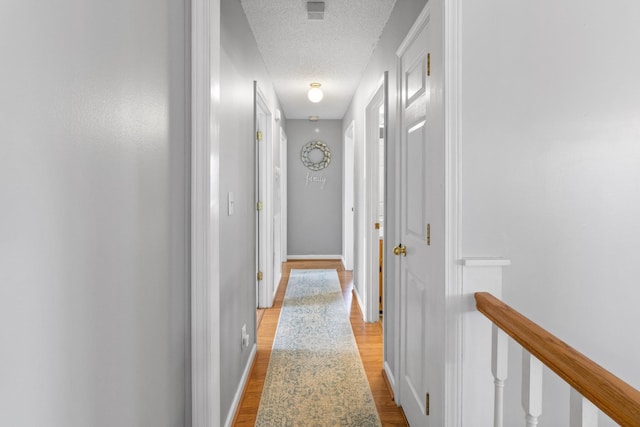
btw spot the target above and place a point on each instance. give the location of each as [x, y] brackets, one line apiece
[428, 234]
[426, 404]
[259, 276]
[259, 206]
[259, 136]
[428, 64]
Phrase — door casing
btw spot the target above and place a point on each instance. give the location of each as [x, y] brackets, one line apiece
[263, 189]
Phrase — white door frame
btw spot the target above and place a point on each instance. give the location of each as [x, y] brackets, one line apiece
[348, 197]
[205, 213]
[452, 64]
[372, 171]
[264, 195]
[279, 206]
[283, 195]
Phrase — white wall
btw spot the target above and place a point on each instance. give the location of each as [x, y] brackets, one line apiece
[94, 219]
[241, 64]
[314, 208]
[383, 59]
[551, 168]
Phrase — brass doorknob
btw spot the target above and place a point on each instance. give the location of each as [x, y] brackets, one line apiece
[400, 250]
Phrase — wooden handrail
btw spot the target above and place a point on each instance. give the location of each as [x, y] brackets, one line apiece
[609, 393]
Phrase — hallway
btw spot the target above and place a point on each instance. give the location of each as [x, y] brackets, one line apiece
[368, 336]
[128, 221]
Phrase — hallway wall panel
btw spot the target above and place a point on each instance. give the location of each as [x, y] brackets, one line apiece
[94, 223]
[315, 197]
[241, 64]
[551, 171]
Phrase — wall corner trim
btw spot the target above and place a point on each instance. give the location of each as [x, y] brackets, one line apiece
[205, 214]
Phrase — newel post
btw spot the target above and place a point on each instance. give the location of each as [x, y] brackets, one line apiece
[482, 382]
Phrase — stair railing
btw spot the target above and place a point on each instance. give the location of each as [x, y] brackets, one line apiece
[592, 386]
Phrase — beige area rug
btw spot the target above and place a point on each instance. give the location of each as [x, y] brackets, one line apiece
[315, 375]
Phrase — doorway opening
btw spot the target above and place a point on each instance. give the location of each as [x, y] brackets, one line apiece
[381, 207]
[348, 203]
[375, 149]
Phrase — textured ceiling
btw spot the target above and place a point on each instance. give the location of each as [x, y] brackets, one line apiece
[333, 51]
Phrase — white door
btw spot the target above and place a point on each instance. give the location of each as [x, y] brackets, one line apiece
[421, 224]
[348, 213]
[277, 218]
[279, 210]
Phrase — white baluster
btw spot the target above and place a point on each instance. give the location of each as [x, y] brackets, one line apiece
[531, 388]
[583, 412]
[499, 365]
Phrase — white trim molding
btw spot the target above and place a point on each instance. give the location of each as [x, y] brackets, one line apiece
[325, 257]
[452, 38]
[205, 213]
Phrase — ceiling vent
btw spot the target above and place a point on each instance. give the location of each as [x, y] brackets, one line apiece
[315, 10]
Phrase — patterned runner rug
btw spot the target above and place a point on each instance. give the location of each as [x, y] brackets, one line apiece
[315, 375]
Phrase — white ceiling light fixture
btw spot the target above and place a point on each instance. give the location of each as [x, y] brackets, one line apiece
[315, 93]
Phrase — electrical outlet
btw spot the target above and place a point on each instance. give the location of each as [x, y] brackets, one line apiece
[245, 342]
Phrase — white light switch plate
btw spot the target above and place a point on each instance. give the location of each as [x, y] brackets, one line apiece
[230, 203]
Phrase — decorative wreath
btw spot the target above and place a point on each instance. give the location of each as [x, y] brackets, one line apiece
[315, 145]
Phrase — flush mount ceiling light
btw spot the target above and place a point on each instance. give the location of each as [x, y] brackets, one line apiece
[315, 93]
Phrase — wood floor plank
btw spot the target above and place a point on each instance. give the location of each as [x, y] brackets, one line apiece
[368, 337]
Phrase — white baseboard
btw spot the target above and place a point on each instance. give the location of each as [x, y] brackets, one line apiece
[360, 304]
[391, 379]
[241, 386]
[331, 257]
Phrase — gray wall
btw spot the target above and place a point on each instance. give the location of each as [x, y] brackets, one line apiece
[94, 221]
[314, 210]
[383, 59]
[551, 172]
[241, 64]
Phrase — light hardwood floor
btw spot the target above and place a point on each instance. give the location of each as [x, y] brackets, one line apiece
[368, 336]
